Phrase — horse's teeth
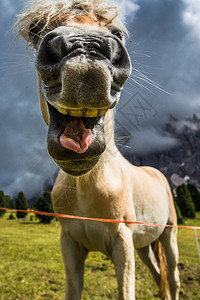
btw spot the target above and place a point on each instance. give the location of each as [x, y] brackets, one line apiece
[84, 112]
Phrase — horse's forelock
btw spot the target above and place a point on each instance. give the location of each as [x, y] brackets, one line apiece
[44, 11]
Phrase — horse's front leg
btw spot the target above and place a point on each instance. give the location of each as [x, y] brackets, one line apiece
[123, 259]
[74, 257]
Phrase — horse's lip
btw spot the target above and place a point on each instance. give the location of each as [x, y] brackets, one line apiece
[116, 87]
[56, 87]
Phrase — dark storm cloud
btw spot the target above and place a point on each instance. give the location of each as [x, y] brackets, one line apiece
[164, 44]
[24, 162]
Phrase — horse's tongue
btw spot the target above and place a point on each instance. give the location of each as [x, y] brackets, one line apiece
[75, 136]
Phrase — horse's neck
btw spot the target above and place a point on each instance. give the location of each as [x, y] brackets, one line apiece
[109, 134]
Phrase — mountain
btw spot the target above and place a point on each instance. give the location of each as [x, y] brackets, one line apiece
[180, 164]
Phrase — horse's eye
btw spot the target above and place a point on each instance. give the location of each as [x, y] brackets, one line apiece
[118, 33]
[34, 31]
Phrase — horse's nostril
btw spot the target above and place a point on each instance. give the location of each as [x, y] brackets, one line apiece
[59, 47]
[52, 57]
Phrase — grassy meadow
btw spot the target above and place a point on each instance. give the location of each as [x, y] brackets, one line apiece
[31, 265]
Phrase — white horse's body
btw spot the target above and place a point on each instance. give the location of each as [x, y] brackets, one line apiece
[82, 64]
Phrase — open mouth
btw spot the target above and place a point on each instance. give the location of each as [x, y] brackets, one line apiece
[76, 143]
[77, 131]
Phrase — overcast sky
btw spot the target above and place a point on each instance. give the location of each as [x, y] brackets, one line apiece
[164, 45]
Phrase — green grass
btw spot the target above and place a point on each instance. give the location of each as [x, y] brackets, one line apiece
[31, 265]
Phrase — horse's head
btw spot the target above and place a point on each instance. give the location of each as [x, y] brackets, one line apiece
[82, 65]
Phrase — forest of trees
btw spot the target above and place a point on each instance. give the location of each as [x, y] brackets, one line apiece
[186, 199]
[43, 204]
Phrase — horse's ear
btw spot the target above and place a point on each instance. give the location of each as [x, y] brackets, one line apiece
[43, 103]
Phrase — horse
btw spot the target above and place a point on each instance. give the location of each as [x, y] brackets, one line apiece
[82, 64]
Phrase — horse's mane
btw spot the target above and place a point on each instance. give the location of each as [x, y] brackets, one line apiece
[44, 11]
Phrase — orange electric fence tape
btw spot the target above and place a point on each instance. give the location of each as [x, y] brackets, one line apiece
[96, 219]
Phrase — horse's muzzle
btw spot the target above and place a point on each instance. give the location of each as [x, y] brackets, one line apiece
[82, 68]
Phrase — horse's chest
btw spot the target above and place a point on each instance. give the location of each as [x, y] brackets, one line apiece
[96, 235]
[92, 235]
